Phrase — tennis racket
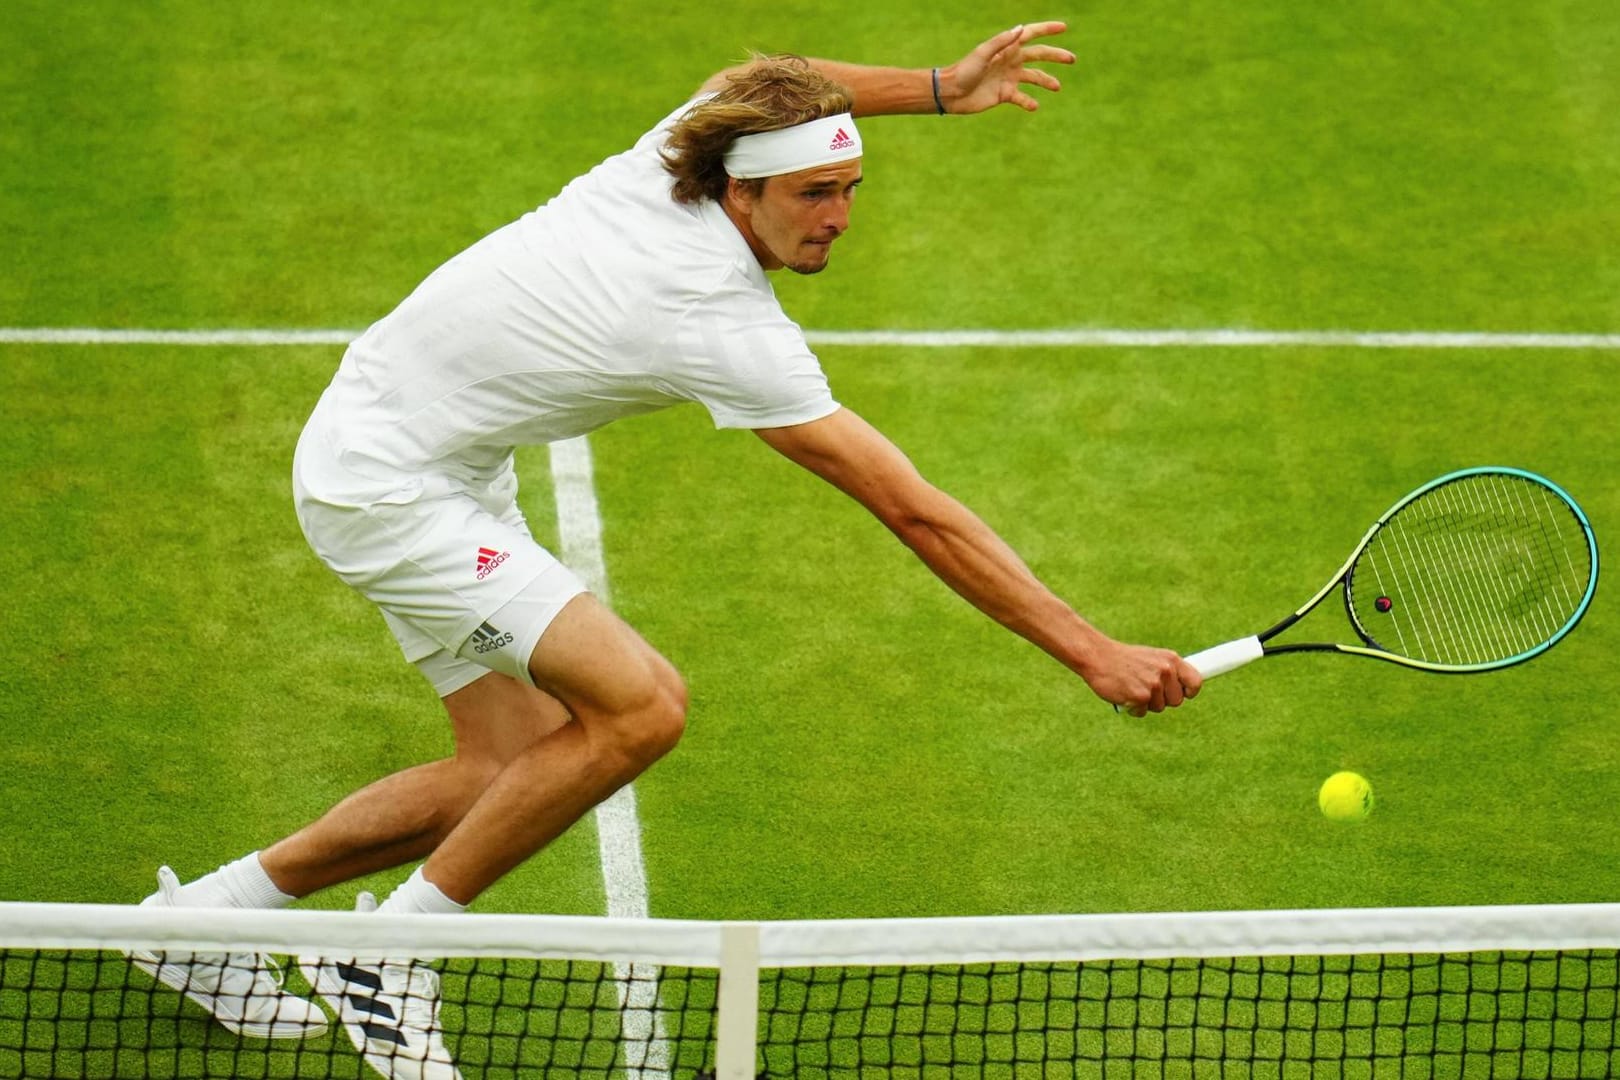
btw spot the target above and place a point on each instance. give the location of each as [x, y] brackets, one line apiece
[1477, 570]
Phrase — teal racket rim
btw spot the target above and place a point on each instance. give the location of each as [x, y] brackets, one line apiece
[1522, 652]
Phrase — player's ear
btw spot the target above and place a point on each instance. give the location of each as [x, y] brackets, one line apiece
[743, 193]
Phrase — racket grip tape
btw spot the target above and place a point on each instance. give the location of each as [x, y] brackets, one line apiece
[1223, 658]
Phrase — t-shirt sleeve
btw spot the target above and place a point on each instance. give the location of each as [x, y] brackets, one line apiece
[746, 362]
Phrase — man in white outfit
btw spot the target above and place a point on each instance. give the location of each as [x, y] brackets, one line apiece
[641, 285]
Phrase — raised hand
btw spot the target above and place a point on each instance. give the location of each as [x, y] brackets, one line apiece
[996, 71]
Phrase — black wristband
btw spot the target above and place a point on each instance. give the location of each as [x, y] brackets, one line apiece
[938, 104]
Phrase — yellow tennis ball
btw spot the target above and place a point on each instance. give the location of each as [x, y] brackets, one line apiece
[1345, 796]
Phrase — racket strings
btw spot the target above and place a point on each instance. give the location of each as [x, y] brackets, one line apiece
[1486, 568]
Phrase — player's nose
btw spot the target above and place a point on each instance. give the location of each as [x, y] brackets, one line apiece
[837, 219]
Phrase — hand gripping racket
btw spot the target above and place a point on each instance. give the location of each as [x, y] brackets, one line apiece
[1477, 570]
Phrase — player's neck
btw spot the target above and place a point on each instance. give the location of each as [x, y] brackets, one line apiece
[741, 221]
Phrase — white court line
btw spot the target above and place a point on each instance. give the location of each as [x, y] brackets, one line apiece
[618, 826]
[1212, 338]
[1005, 339]
[84, 335]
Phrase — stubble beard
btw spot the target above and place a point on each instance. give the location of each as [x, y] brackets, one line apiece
[807, 268]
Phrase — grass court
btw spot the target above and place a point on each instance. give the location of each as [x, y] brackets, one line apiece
[184, 682]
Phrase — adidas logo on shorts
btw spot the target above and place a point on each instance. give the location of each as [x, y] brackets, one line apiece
[488, 560]
[487, 638]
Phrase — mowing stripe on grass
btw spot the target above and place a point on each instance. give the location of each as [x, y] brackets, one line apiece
[935, 339]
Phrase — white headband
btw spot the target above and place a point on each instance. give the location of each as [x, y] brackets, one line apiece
[771, 153]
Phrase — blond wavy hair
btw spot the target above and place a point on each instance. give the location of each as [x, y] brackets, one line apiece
[766, 94]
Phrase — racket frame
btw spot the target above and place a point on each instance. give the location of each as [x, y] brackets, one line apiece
[1234, 654]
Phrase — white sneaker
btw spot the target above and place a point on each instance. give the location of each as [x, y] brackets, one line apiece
[390, 1010]
[241, 989]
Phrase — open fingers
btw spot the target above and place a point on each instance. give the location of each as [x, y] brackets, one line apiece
[1013, 51]
[1047, 54]
[1031, 31]
[1036, 77]
[1001, 45]
[1014, 44]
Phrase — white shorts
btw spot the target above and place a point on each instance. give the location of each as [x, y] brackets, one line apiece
[506, 639]
[461, 583]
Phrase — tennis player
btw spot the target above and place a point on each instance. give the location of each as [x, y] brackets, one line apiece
[640, 286]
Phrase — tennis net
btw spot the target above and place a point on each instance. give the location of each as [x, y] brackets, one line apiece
[1361, 994]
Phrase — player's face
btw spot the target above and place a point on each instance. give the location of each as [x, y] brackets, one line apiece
[793, 219]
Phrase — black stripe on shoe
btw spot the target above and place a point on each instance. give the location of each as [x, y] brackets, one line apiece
[370, 1005]
[383, 1033]
[371, 980]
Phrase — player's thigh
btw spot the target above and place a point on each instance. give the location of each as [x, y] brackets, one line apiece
[496, 717]
[595, 663]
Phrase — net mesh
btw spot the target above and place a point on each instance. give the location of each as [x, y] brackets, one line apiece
[1493, 1014]
[1486, 568]
[1351, 1009]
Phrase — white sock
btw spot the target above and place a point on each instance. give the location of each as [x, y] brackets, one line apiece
[241, 884]
[418, 895]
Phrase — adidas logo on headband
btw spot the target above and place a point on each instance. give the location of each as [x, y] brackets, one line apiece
[826, 141]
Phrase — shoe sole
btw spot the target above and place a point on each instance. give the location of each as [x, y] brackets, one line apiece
[286, 1029]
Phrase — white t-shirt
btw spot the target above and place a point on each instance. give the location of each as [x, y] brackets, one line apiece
[610, 300]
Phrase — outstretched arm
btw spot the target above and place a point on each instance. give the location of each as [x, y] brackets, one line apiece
[967, 554]
[994, 73]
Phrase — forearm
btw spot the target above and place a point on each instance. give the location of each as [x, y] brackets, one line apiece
[969, 557]
[949, 538]
[883, 91]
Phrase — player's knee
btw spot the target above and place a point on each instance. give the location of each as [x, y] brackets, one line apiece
[663, 720]
[643, 734]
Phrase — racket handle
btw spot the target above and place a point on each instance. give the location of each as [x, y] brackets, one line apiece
[1223, 658]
